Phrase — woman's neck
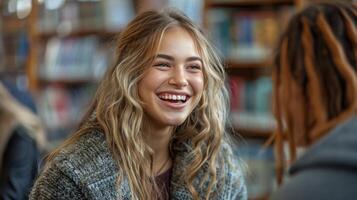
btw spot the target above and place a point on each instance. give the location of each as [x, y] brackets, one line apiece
[159, 140]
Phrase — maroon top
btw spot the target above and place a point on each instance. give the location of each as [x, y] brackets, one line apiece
[163, 181]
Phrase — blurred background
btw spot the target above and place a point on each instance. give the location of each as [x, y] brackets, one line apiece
[58, 50]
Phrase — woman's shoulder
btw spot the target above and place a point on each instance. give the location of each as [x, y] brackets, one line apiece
[89, 154]
[86, 165]
[88, 143]
[87, 159]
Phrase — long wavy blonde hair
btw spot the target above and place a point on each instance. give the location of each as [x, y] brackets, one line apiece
[118, 112]
[318, 54]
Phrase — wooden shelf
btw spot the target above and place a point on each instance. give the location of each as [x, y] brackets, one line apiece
[78, 33]
[266, 197]
[73, 81]
[13, 71]
[253, 124]
[250, 65]
[249, 3]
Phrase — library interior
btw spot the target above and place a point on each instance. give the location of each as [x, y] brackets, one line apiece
[53, 54]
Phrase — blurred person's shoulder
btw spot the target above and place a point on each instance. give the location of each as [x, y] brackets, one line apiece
[20, 146]
[20, 132]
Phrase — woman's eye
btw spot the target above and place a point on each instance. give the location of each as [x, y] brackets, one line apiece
[194, 67]
[161, 65]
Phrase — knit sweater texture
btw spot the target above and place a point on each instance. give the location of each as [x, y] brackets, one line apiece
[86, 170]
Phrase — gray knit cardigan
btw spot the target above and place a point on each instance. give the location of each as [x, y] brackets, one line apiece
[86, 170]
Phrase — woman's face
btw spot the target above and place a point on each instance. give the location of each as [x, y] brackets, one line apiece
[172, 87]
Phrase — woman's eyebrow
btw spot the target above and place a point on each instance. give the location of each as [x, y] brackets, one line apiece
[164, 56]
[171, 58]
[194, 58]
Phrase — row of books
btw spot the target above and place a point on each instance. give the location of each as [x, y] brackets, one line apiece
[110, 15]
[75, 58]
[72, 66]
[246, 35]
[61, 107]
[251, 106]
[252, 96]
[14, 48]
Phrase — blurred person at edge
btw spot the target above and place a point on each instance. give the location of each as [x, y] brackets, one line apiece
[316, 103]
[21, 140]
[156, 128]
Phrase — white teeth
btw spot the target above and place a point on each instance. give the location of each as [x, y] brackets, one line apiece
[173, 97]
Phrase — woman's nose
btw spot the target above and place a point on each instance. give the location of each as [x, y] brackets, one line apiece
[178, 77]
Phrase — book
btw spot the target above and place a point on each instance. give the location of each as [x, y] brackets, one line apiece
[248, 35]
[82, 58]
[117, 14]
[192, 8]
[219, 31]
[62, 106]
[251, 106]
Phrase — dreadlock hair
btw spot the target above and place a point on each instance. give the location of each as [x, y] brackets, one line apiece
[317, 54]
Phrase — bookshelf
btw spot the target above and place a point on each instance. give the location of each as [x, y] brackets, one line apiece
[251, 3]
[14, 44]
[72, 44]
[71, 47]
[232, 64]
[245, 32]
[70, 26]
[78, 33]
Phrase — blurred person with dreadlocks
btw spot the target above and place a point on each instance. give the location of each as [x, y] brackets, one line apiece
[316, 103]
[21, 140]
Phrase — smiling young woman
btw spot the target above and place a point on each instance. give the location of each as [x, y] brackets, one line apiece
[156, 128]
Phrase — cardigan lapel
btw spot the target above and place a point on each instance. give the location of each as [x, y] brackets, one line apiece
[178, 189]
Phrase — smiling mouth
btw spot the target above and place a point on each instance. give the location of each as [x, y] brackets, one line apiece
[174, 98]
